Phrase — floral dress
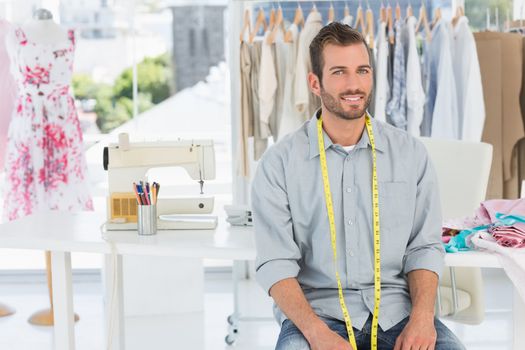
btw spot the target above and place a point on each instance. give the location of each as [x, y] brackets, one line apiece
[45, 164]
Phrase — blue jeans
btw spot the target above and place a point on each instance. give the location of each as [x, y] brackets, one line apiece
[291, 337]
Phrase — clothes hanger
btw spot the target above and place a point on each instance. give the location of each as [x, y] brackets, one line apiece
[331, 14]
[346, 10]
[459, 13]
[398, 11]
[390, 23]
[423, 22]
[246, 24]
[410, 12]
[278, 25]
[260, 21]
[382, 13]
[370, 26]
[297, 20]
[360, 21]
[437, 17]
[272, 19]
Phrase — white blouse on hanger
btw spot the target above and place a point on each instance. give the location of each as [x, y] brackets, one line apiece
[382, 87]
[441, 111]
[471, 105]
[415, 92]
[291, 119]
[267, 87]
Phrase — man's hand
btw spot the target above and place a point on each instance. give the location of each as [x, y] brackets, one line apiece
[326, 339]
[418, 334]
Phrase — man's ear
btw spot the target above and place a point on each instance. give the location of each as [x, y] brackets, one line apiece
[315, 84]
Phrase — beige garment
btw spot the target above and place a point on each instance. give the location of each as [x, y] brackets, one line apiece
[280, 51]
[260, 143]
[305, 101]
[291, 119]
[267, 87]
[501, 59]
[246, 107]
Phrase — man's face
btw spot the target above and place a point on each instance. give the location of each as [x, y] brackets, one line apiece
[347, 82]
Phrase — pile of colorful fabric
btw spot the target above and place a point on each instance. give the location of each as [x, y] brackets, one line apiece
[503, 219]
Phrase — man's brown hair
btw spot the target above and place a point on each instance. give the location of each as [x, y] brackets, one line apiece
[337, 34]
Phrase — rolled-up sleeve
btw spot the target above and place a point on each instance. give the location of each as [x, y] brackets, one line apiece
[277, 252]
[424, 249]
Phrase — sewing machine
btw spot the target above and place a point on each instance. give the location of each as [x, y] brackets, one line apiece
[127, 163]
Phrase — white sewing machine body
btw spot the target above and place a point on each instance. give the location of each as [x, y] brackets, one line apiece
[127, 163]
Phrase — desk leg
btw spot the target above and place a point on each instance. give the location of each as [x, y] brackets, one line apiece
[518, 314]
[114, 303]
[64, 326]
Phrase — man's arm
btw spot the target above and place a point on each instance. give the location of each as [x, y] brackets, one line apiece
[420, 332]
[424, 258]
[290, 298]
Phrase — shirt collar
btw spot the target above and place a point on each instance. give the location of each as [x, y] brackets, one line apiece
[364, 142]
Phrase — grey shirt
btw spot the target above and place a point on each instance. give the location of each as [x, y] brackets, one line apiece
[291, 223]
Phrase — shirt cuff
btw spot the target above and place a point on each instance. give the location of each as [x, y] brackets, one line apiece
[274, 271]
[429, 258]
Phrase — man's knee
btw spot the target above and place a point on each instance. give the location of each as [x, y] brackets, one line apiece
[446, 340]
[291, 338]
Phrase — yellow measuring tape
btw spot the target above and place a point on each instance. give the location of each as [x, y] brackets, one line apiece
[331, 220]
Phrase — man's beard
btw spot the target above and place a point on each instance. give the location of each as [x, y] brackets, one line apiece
[335, 105]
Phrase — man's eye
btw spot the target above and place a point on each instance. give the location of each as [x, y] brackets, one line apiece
[362, 71]
[338, 72]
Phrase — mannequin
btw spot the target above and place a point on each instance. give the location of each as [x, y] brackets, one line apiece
[45, 164]
[7, 97]
[43, 30]
[8, 89]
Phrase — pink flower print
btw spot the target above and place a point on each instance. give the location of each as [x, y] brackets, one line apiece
[37, 75]
[56, 136]
[21, 36]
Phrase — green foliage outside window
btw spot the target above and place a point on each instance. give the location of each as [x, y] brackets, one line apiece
[114, 104]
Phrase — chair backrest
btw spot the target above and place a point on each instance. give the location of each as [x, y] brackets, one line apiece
[463, 170]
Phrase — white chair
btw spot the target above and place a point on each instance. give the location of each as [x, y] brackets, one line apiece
[463, 170]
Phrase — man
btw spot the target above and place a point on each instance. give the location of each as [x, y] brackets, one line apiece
[295, 261]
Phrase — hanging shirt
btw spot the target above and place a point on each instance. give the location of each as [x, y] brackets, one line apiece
[305, 101]
[291, 119]
[414, 86]
[246, 107]
[260, 143]
[382, 88]
[471, 107]
[267, 87]
[280, 57]
[8, 89]
[441, 111]
[396, 107]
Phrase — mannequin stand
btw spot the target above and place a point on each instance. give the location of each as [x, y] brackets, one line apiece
[45, 317]
[6, 310]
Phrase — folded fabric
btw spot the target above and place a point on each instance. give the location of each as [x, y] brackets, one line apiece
[504, 219]
[512, 260]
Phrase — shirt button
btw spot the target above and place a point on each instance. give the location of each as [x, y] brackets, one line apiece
[350, 222]
[348, 189]
[351, 253]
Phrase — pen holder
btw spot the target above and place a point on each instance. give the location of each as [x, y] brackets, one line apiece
[147, 220]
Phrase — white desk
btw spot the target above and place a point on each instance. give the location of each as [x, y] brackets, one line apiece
[63, 233]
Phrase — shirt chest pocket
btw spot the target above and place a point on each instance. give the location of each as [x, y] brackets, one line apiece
[394, 208]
